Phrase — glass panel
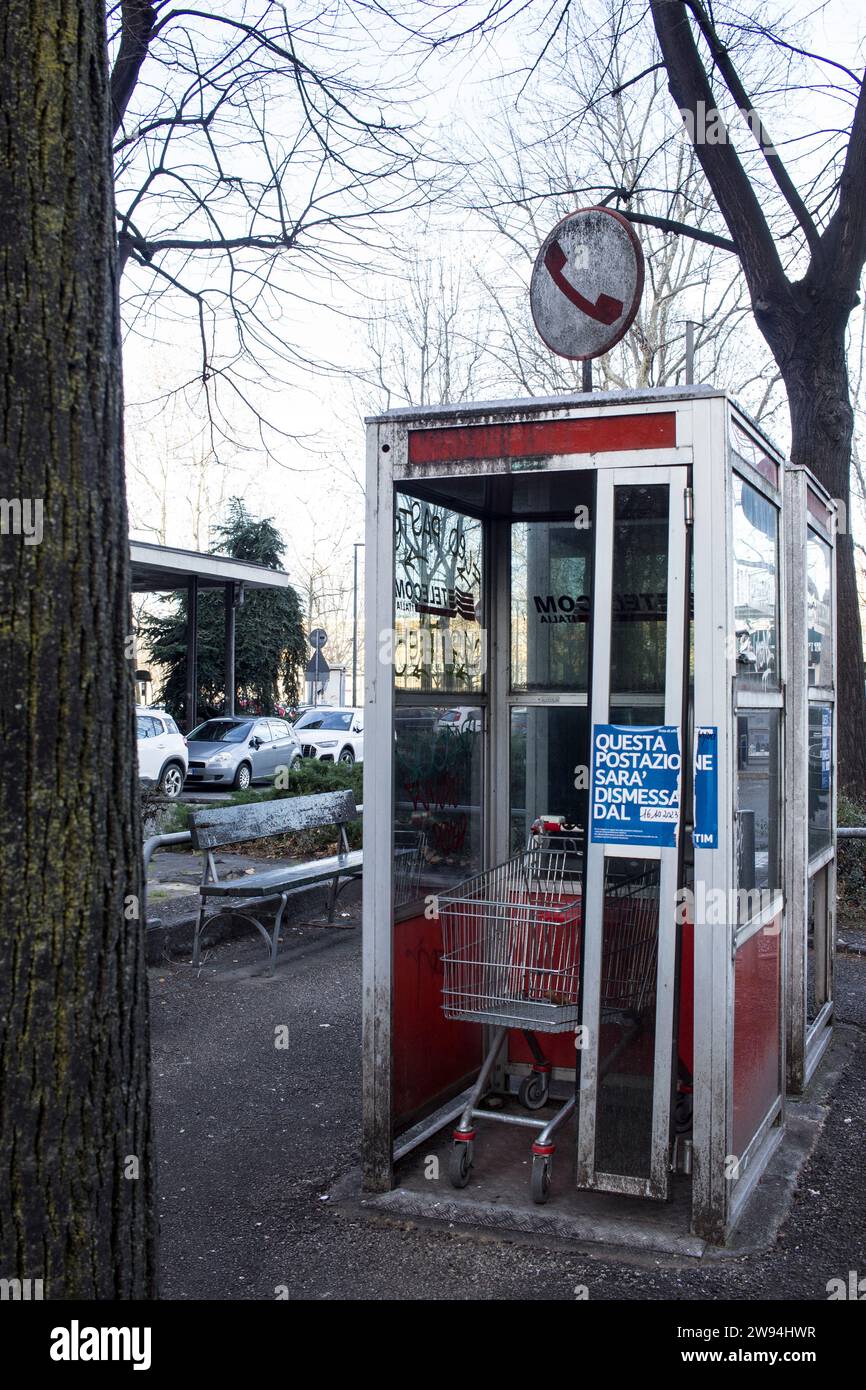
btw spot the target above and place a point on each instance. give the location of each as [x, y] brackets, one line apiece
[626, 1053]
[753, 452]
[551, 566]
[640, 594]
[758, 806]
[439, 639]
[757, 1045]
[756, 588]
[818, 604]
[549, 770]
[817, 932]
[820, 776]
[437, 798]
[646, 712]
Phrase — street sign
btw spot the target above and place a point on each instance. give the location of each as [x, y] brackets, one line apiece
[317, 668]
[587, 283]
[317, 638]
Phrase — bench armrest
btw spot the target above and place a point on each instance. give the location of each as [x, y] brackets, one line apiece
[155, 842]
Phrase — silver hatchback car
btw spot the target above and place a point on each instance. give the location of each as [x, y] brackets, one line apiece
[236, 751]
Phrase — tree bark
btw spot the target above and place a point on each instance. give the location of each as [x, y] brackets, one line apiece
[76, 1161]
[803, 321]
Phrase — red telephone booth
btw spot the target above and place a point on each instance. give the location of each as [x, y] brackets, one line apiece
[599, 631]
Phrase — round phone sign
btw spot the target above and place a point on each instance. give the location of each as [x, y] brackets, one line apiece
[587, 283]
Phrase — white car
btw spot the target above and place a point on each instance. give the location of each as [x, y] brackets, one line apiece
[460, 720]
[332, 734]
[162, 753]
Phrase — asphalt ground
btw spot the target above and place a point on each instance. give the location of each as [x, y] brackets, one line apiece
[253, 1135]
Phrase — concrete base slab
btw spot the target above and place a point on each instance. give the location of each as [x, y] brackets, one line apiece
[497, 1198]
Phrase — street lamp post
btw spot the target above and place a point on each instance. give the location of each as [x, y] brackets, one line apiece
[357, 545]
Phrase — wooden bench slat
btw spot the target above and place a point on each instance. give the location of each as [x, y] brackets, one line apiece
[285, 876]
[229, 825]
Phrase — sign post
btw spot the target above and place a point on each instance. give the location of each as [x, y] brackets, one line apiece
[317, 667]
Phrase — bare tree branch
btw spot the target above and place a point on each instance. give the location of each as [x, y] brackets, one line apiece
[723, 62]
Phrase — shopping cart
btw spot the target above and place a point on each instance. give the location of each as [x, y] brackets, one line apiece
[410, 846]
[630, 946]
[511, 959]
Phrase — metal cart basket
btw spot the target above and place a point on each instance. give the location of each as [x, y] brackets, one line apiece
[628, 966]
[511, 940]
[511, 958]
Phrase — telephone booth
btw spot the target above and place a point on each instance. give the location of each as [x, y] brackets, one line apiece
[599, 628]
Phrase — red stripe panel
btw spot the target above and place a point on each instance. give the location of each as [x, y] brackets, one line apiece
[598, 434]
[769, 469]
[817, 508]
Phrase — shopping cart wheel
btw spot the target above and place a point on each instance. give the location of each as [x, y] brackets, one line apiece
[534, 1090]
[540, 1182]
[460, 1162]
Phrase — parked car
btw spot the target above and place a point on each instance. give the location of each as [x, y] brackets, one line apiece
[332, 734]
[162, 751]
[460, 720]
[415, 719]
[236, 751]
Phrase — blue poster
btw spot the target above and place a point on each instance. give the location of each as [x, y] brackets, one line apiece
[635, 791]
[706, 831]
[826, 745]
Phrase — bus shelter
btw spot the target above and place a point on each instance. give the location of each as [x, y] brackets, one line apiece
[599, 651]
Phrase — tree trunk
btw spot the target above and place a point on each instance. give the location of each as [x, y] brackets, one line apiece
[76, 1193]
[814, 370]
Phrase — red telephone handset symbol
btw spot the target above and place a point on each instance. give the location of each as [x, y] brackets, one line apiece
[606, 309]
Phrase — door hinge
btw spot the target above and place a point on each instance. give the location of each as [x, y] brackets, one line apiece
[689, 506]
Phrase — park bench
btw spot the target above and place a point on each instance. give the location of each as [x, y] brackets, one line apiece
[214, 827]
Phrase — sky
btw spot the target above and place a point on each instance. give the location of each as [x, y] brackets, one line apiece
[312, 376]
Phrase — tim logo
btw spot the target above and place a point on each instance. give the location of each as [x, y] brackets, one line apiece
[25, 1290]
[854, 1288]
[77, 1343]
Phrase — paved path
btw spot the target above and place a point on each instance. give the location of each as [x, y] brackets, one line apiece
[251, 1138]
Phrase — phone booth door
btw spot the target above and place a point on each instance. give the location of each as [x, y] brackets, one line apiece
[634, 837]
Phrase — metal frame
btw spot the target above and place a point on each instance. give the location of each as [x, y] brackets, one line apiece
[588, 1175]
[806, 1042]
[378, 935]
[749, 1166]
